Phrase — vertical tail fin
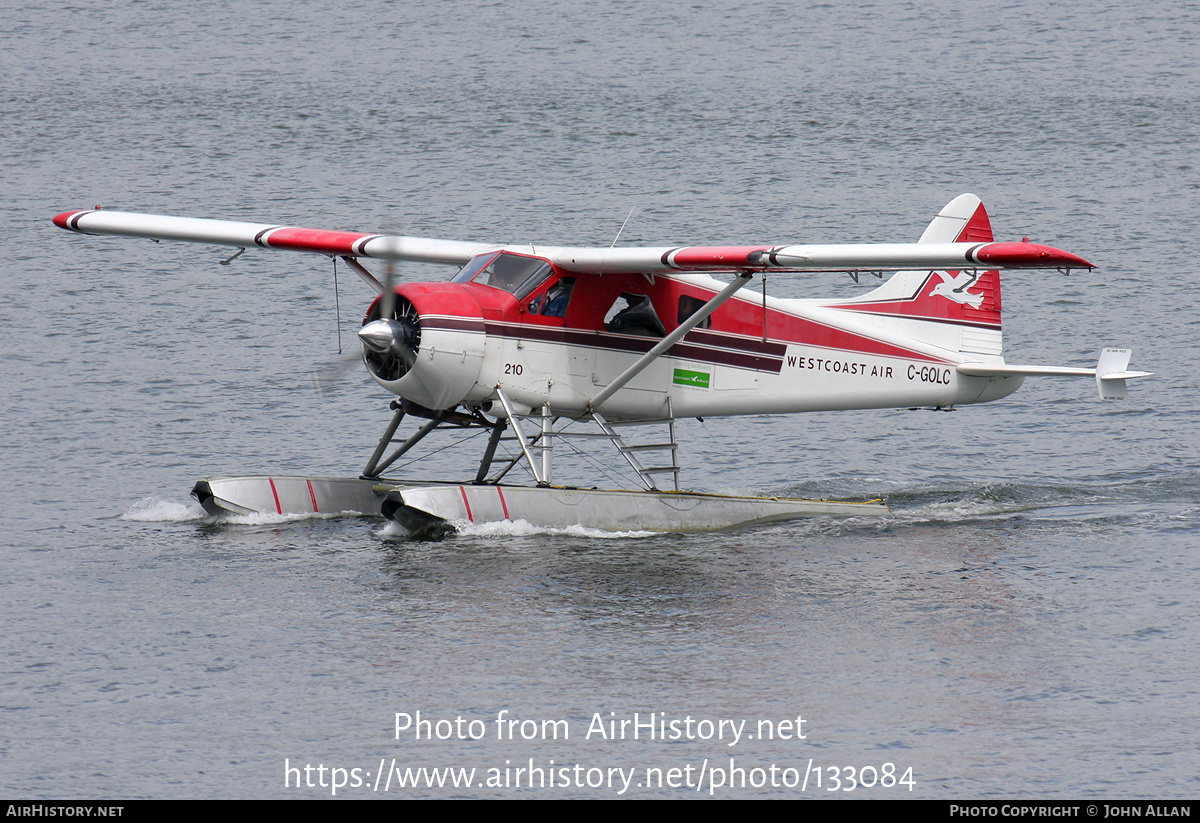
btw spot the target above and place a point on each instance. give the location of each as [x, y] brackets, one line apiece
[963, 220]
[960, 310]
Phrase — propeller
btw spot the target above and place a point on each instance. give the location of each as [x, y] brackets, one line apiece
[390, 342]
[390, 339]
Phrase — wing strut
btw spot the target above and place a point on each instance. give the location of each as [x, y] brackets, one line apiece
[362, 272]
[669, 341]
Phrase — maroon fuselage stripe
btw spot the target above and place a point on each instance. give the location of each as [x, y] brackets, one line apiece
[705, 347]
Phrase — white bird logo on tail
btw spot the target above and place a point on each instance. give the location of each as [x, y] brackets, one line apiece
[955, 288]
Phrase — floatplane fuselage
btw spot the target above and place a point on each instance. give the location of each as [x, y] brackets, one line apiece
[754, 356]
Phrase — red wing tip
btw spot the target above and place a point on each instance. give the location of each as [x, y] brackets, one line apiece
[1030, 256]
[62, 220]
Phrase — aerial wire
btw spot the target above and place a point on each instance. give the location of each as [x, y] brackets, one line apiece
[632, 209]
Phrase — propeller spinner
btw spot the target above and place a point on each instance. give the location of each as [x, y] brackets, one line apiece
[391, 339]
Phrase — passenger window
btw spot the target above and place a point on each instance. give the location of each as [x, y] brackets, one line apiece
[634, 314]
[689, 306]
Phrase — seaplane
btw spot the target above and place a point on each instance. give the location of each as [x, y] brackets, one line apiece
[543, 348]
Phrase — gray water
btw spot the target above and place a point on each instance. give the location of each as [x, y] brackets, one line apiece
[1026, 625]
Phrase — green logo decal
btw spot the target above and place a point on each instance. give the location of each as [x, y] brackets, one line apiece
[687, 377]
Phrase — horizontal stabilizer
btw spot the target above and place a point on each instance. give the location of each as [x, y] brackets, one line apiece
[1111, 372]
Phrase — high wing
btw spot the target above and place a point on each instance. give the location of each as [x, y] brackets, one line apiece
[583, 260]
[269, 236]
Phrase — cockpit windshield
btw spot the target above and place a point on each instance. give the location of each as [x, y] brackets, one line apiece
[514, 274]
[472, 268]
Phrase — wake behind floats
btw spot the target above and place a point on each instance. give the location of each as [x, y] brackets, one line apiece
[547, 347]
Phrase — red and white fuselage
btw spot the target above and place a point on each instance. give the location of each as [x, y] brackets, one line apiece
[756, 357]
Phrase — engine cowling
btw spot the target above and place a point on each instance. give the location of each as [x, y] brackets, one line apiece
[431, 349]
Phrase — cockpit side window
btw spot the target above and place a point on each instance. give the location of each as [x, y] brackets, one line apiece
[554, 302]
